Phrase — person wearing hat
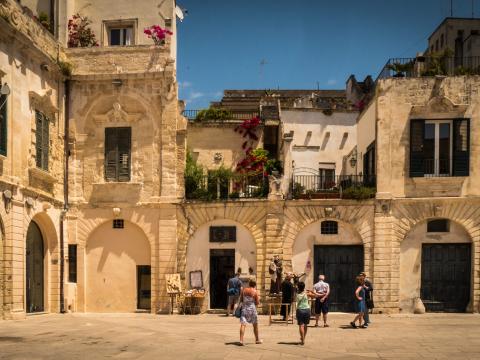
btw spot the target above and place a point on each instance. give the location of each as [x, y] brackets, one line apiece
[287, 296]
[368, 298]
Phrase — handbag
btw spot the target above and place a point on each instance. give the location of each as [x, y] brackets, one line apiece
[238, 310]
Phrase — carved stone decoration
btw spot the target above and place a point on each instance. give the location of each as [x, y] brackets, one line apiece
[117, 114]
[438, 107]
[383, 206]
[43, 103]
[275, 184]
[329, 211]
[437, 210]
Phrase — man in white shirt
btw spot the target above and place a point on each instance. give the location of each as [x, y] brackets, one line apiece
[321, 290]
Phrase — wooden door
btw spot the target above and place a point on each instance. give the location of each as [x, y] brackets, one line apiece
[340, 264]
[222, 267]
[446, 271]
[34, 269]
[143, 287]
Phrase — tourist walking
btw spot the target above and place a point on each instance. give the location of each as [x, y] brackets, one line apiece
[359, 302]
[234, 287]
[321, 290]
[249, 301]
[287, 296]
[303, 310]
[368, 298]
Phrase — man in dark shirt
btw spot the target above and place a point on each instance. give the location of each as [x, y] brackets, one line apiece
[368, 298]
[234, 288]
[287, 296]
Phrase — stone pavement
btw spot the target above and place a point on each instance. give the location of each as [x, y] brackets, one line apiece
[145, 336]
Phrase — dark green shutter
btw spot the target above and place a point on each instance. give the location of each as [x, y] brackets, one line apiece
[124, 140]
[417, 158]
[45, 142]
[461, 147]
[110, 154]
[117, 154]
[3, 125]
[38, 138]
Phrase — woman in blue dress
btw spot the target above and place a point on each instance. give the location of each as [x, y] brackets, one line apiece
[360, 307]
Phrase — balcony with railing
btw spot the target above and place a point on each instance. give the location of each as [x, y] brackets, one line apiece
[219, 115]
[231, 187]
[333, 187]
[430, 66]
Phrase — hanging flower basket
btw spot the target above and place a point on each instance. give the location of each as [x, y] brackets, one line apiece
[157, 34]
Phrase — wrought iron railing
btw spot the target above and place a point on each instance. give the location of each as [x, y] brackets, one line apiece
[210, 188]
[192, 115]
[430, 66]
[340, 186]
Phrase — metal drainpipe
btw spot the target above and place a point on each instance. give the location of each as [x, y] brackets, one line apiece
[65, 195]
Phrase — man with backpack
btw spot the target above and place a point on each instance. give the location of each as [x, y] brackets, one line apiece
[234, 288]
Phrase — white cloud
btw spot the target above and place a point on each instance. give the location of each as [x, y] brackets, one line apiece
[331, 82]
[196, 95]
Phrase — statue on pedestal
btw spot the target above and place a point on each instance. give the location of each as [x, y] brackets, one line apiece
[275, 270]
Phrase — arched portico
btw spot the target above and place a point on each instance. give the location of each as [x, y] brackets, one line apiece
[42, 268]
[117, 269]
[436, 267]
[219, 260]
[332, 248]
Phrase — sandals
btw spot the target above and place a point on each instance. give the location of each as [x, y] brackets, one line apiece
[353, 325]
[326, 325]
[259, 341]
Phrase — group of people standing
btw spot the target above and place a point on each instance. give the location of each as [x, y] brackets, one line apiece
[247, 299]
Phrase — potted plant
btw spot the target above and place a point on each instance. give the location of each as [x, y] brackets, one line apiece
[400, 69]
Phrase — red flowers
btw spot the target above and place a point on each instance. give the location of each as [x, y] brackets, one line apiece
[79, 32]
[157, 33]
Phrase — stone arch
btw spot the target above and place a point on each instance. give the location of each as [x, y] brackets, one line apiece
[309, 236]
[466, 213]
[198, 254]
[49, 233]
[111, 260]
[359, 217]
[250, 215]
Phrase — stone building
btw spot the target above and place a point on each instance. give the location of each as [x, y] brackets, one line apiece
[93, 151]
[32, 165]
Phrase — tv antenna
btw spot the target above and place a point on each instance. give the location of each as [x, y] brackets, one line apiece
[263, 62]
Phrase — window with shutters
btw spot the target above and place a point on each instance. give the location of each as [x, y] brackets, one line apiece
[439, 148]
[117, 154]
[3, 125]
[42, 140]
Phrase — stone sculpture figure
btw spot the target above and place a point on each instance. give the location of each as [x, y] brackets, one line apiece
[275, 270]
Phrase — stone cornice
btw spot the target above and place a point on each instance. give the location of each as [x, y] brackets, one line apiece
[17, 17]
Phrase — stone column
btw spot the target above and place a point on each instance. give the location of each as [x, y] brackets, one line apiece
[166, 257]
[386, 260]
[273, 243]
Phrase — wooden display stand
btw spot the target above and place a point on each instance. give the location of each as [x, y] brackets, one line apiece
[191, 303]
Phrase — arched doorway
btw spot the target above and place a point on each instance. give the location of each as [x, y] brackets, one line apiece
[35, 269]
[118, 271]
[218, 249]
[334, 249]
[435, 267]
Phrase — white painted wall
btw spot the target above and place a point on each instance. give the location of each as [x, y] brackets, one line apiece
[330, 148]
[365, 135]
[411, 258]
[309, 236]
[198, 252]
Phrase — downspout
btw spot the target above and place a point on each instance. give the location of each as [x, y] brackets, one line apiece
[65, 195]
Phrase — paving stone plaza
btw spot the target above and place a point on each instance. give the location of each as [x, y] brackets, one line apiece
[213, 336]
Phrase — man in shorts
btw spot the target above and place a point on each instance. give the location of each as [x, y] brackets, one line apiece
[321, 290]
[234, 288]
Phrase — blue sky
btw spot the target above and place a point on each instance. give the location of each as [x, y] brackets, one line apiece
[298, 44]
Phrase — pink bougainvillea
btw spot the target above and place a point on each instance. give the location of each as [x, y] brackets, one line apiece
[157, 34]
[79, 32]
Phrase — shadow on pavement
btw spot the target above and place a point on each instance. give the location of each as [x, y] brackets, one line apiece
[289, 343]
[346, 327]
[237, 343]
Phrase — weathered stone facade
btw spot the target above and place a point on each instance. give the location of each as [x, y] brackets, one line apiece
[29, 65]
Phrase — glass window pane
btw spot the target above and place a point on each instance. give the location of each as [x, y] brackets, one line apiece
[429, 148]
[444, 149]
[114, 36]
